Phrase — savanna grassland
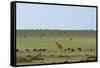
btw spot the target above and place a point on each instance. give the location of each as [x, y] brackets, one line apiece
[55, 46]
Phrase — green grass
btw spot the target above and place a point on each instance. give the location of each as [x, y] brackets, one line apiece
[30, 39]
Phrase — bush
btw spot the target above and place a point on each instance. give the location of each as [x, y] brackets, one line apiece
[38, 57]
[21, 59]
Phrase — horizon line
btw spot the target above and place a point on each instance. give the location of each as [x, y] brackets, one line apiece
[56, 29]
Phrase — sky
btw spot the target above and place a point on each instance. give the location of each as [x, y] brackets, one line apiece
[40, 16]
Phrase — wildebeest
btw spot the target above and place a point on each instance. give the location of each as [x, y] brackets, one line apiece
[69, 49]
[24, 36]
[27, 50]
[44, 49]
[34, 49]
[79, 49]
[91, 49]
[17, 50]
[39, 49]
[70, 38]
[72, 50]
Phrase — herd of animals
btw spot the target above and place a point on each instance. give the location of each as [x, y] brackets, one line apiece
[59, 46]
[40, 56]
[60, 49]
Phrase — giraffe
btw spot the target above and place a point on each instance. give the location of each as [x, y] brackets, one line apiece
[60, 47]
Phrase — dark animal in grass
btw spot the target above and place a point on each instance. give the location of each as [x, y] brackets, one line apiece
[40, 36]
[24, 36]
[65, 50]
[69, 49]
[91, 49]
[44, 49]
[27, 50]
[79, 49]
[70, 38]
[40, 49]
[17, 50]
[72, 50]
[34, 49]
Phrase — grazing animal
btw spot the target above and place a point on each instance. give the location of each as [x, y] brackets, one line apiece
[70, 38]
[27, 50]
[79, 49]
[34, 49]
[40, 49]
[44, 49]
[69, 49]
[24, 36]
[60, 47]
[91, 49]
[17, 50]
[72, 50]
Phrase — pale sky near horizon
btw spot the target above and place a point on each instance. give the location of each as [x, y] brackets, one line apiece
[38, 16]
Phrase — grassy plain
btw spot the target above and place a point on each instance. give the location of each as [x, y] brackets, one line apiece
[27, 40]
